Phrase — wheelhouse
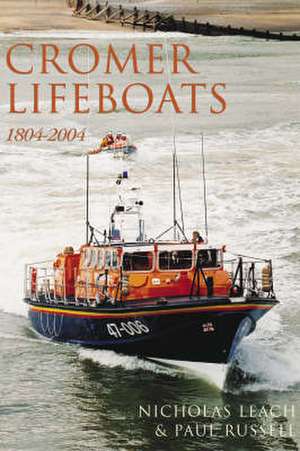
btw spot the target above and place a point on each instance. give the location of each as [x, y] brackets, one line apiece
[150, 270]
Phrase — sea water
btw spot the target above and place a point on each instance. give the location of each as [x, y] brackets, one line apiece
[57, 396]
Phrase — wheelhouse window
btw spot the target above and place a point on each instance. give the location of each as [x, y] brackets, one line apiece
[87, 258]
[100, 259]
[107, 259]
[114, 262]
[137, 261]
[90, 258]
[93, 262]
[175, 260]
[209, 258]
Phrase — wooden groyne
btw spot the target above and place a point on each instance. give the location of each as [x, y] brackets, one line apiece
[154, 20]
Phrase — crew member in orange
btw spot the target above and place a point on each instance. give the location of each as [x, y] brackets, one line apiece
[107, 141]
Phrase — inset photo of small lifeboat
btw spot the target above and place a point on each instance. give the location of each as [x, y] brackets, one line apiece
[119, 145]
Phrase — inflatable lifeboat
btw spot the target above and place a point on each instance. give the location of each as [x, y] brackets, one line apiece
[119, 145]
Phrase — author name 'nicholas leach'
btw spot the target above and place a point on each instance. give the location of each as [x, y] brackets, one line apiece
[32, 67]
[226, 411]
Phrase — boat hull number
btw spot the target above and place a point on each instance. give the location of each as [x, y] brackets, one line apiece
[127, 328]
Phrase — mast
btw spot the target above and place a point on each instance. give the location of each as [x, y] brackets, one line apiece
[174, 191]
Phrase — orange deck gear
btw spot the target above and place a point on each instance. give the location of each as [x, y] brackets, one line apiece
[33, 281]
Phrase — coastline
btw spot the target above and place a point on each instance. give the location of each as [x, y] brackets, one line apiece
[271, 15]
[55, 14]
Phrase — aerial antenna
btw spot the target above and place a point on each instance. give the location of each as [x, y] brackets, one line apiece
[87, 200]
[174, 149]
[174, 187]
[204, 186]
[87, 205]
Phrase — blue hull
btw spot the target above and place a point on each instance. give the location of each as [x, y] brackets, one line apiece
[197, 335]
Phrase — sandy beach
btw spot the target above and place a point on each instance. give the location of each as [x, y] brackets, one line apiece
[273, 15]
[44, 15]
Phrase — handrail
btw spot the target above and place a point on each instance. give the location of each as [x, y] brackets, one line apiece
[246, 279]
[249, 256]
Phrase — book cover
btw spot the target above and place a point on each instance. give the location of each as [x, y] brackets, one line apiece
[149, 165]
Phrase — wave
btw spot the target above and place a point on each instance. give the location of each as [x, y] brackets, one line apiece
[260, 367]
[130, 363]
[268, 359]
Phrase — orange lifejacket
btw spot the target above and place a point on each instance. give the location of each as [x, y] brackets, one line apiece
[106, 142]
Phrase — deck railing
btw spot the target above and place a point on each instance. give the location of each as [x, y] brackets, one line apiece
[39, 280]
[41, 285]
[250, 278]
